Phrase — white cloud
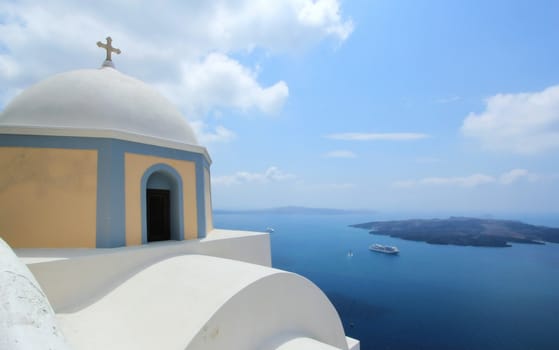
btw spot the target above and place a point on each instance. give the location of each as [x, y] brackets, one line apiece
[199, 26]
[357, 136]
[464, 181]
[523, 123]
[186, 48]
[8, 67]
[220, 82]
[325, 14]
[206, 136]
[515, 175]
[287, 25]
[474, 180]
[272, 174]
[340, 154]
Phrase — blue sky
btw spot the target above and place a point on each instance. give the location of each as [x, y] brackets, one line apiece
[389, 105]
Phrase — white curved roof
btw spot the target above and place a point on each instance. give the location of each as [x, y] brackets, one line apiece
[28, 321]
[202, 302]
[164, 295]
[99, 102]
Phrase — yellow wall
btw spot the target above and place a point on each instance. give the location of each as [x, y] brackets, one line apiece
[135, 167]
[208, 199]
[48, 197]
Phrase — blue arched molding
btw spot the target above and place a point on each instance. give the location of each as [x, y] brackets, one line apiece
[178, 208]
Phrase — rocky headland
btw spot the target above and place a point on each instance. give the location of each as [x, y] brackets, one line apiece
[464, 231]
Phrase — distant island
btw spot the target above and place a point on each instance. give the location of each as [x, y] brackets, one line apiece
[464, 231]
[292, 210]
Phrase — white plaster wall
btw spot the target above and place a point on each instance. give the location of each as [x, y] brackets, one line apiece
[201, 302]
[27, 321]
[269, 312]
[73, 278]
[166, 296]
[304, 343]
[161, 307]
[353, 344]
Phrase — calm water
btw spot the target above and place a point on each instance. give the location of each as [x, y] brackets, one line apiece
[429, 297]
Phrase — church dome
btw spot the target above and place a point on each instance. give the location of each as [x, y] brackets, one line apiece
[101, 102]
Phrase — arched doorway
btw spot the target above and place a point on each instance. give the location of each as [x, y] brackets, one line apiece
[158, 214]
[162, 204]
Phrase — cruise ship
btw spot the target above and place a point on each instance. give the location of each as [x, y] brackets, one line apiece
[384, 249]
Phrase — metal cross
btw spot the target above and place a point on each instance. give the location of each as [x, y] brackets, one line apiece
[109, 48]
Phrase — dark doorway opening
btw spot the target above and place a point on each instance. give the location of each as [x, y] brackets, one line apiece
[158, 215]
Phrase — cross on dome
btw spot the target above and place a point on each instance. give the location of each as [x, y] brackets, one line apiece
[109, 49]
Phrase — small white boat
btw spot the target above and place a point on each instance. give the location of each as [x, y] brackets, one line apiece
[269, 230]
[384, 249]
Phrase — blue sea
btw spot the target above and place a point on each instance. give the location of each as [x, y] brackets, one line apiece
[428, 297]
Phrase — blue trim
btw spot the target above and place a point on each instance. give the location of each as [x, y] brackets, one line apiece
[111, 230]
[200, 200]
[159, 181]
[177, 202]
[209, 194]
[11, 140]
[111, 227]
[206, 163]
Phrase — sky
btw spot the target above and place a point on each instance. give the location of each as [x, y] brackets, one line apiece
[389, 105]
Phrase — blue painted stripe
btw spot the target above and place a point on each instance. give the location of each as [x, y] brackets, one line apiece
[11, 140]
[111, 230]
[200, 200]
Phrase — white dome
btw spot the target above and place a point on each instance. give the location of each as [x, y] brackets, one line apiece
[98, 101]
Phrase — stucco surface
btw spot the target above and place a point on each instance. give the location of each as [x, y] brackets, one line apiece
[202, 302]
[48, 197]
[353, 344]
[61, 271]
[273, 308]
[27, 321]
[101, 100]
[304, 343]
[166, 295]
